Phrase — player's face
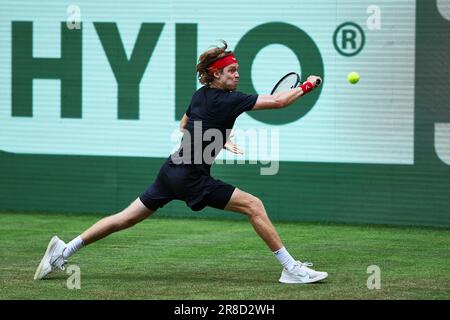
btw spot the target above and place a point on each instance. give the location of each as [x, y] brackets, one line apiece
[229, 78]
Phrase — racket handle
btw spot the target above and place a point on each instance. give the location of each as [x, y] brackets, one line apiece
[318, 82]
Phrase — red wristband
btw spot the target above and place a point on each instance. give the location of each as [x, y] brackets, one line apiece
[306, 87]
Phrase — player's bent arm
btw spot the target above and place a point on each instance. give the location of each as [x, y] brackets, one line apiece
[183, 122]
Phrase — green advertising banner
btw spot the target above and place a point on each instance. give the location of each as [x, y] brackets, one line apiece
[92, 94]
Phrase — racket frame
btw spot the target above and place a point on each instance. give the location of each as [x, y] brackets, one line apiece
[284, 77]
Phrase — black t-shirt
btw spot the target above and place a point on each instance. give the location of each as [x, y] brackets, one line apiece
[213, 111]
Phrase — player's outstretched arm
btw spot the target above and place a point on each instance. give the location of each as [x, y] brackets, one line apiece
[283, 99]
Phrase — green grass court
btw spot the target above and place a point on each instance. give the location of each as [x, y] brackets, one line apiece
[167, 258]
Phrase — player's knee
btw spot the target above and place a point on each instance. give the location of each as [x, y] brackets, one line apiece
[127, 222]
[256, 207]
[124, 221]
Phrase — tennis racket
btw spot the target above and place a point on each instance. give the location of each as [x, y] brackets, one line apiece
[288, 82]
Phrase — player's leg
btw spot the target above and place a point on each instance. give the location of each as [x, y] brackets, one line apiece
[58, 252]
[253, 207]
[156, 196]
[134, 213]
[293, 271]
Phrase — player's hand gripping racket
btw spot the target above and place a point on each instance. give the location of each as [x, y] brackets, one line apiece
[288, 82]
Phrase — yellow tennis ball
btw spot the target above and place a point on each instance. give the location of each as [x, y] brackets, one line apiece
[353, 77]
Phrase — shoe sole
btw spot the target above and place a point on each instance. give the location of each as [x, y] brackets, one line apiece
[47, 256]
[319, 278]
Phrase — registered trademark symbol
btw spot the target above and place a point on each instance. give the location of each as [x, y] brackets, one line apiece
[348, 39]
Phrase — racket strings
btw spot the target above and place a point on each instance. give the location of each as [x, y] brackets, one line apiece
[286, 84]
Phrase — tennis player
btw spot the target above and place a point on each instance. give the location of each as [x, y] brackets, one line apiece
[185, 175]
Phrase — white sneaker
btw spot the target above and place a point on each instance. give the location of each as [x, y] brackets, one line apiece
[52, 260]
[300, 273]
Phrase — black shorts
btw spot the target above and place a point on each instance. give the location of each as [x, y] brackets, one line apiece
[188, 184]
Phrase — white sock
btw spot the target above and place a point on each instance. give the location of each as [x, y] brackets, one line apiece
[72, 247]
[285, 258]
